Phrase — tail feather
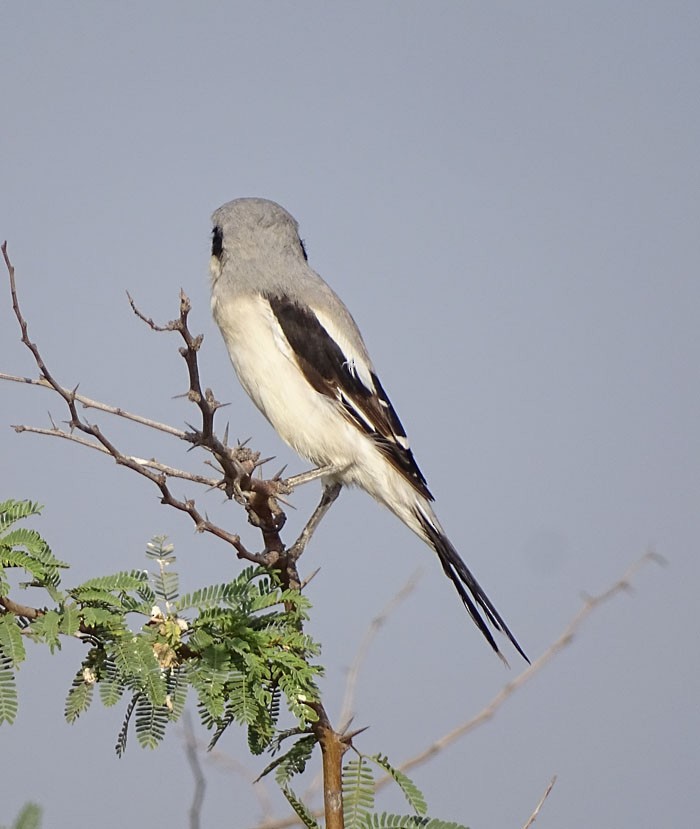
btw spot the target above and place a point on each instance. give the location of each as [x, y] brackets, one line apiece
[460, 575]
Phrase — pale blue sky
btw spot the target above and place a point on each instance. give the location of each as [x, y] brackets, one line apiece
[507, 197]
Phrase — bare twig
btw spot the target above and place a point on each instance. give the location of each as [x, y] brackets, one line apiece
[87, 403]
[235, 469]
[200, 783]
[345, 716]
[260, 497]
[204, 400]
[591, 603]
[565, 639]
[152, 463]
[533, 816]
[370, 634]
[221, 761]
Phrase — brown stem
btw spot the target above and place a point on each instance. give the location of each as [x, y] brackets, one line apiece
[333, 747]
[20, 609]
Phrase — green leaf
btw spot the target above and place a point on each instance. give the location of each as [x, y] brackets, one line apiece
[158, 549]
[166, 586]
[46, 628]
[29, 817]
[111, 686]
[389, 821]
[69, 623]
[177, 687]
[207, 597]
[101, 618]
[138, 666]
[41, 562]
[302, 812]
[260, 737]
[80, 694]
[241, 699]
[8, 690]
[165, 582]
[150, 722]
[12, 511]
[120, 746]
[358, 792]
[292, 762]
[11, 643]
[209, 684]
[117, 590]
[411, 792]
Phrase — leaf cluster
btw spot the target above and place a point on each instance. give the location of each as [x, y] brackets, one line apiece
[358, 782]
[358, 798]
[239, 645]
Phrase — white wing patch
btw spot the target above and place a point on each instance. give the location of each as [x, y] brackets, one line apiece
[357, 363]
[359, 366]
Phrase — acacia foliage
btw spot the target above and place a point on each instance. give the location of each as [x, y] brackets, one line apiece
[239, 646]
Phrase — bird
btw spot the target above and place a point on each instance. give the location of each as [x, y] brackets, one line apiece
[301, 358]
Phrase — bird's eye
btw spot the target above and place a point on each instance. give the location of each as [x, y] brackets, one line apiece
[303, 249]
[217, 242]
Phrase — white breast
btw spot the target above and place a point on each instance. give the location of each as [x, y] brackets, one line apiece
[308, 421]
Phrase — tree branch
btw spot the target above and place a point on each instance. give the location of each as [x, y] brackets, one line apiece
[373, 629]
[591, 603]
[238, 464]
[87, 403]
[333, 747]
[17, 609]
[154, 464]
[200, 783]
[533, 816]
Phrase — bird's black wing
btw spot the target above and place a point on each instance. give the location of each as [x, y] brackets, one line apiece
[332, 372]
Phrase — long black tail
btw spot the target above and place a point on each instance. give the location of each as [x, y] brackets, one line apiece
[461, 577]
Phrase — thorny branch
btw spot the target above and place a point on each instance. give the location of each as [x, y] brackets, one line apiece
[260, 500]
[237, 463]
[590, 604]
[87, 403]
[258, 496]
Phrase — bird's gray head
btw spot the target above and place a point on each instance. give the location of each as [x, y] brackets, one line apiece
[253, 230]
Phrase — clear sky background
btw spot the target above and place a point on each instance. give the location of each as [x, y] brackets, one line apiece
[507, 197]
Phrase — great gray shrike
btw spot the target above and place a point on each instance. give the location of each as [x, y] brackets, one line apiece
[300, 356]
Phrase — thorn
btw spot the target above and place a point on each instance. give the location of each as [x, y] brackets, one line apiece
[306, 581]
[347, 738]
[286, 503]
